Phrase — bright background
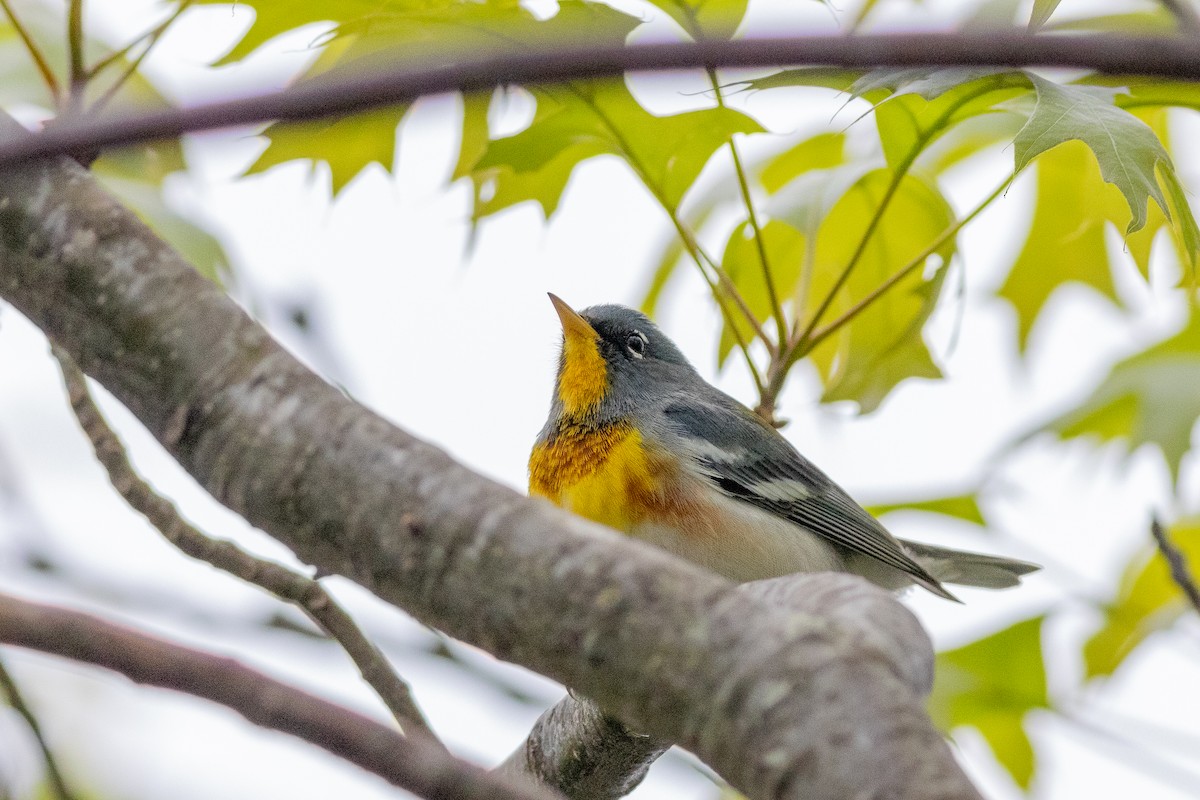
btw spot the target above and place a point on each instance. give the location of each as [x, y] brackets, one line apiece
[457, 344]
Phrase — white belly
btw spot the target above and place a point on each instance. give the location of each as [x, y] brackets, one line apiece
[744, 543]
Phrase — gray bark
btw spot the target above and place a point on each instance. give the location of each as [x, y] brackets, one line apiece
[782, 704]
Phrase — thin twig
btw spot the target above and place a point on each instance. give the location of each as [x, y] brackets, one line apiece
[410, 762]
[78, 74]
[15, 699]
[1177, 562]
[1162, 56]
[825, 331]
[286, 584]
[1185, 16]
[151, 38]
[744, 186]
[35, 53]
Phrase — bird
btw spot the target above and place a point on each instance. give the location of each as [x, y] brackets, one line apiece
[638, 441]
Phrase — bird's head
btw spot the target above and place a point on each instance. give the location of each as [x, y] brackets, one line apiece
[613, 358]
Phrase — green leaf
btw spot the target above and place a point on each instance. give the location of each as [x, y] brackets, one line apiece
[1149, 398]
[705, 19]
[785, 248]
[806, 77]
[475, 132]
[883, 345]
[1066, 242]
[1042, 9]
[991, 685]
[1147, 600]
[273, 18]
[1126, 148]
[822, 151]
[578, 121]
[961, 506]
[347, 146]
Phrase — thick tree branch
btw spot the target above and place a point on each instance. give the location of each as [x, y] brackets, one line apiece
[412, 763]
[277, 579]
[587, 755]
[1163, 56]
[783, 705]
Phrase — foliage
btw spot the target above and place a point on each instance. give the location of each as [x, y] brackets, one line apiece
[833, 245]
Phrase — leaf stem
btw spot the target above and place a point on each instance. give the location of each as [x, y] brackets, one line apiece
[760, 242]
[35, 53]
[15, 699]
[825, 331]
[78, 73]
[151, 35]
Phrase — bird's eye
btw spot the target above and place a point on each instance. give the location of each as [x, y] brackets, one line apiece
[636, 344]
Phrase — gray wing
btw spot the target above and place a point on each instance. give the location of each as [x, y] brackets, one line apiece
[750, 461]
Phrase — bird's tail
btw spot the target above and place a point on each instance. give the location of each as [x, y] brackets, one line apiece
[969, 569]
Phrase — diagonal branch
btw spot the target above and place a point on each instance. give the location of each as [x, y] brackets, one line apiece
[783, 705]
[290, 586]
[1163, 56]
[412, 763]
[1177, 562]
[58, 784]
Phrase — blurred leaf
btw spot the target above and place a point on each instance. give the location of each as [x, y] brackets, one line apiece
[990, 685]
[1147, 600]
[473, 143]
[1149, 398]
[882, 346]
[1125, 147]
[816, 152]
[577, 121]
[273, 18]
[806, 77]
[705, 19]
[347, 145]
[785, 248]
[20, 81]
[962, 506]
[1066, 241]
[1156, 19]
[1042, 9]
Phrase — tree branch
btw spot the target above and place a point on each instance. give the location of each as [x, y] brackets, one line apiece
[587, 755]
[782, 705]
[280, 581]
[1178, 564]
[412, 763]
[1162, 56]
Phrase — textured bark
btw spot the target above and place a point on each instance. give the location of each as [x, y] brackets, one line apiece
[782, 704]
[587, 755]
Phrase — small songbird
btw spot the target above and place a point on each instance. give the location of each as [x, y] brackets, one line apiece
[638, 441]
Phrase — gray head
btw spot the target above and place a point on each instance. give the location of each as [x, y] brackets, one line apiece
[613, 360]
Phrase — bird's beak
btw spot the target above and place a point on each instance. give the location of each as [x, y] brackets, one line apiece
[575, 328]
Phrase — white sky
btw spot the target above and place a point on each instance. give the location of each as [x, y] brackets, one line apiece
[461, 353]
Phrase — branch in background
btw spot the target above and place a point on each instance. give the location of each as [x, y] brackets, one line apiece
[412, 763]
[54, 776]
[290, 586]
[1163, 56]
[1178, 564]
[784, 706]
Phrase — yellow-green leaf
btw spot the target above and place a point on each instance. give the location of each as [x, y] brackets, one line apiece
[961, 506]
[703, 19]
[990, 685]
[1150, 398]
[1147, 600]
[822, 151]
[1042, 9]
[785, 247]
[1126, 148]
